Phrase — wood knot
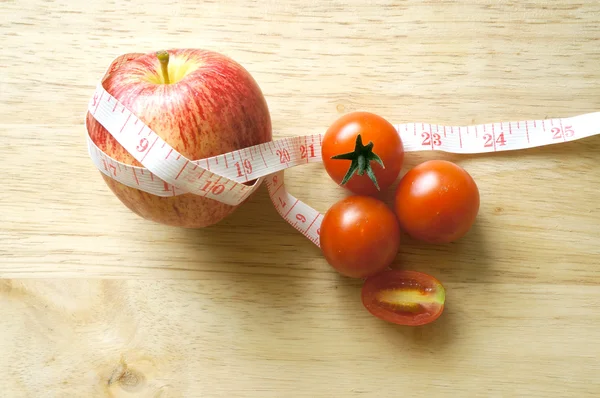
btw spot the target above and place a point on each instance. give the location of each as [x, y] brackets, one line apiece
[128, 379]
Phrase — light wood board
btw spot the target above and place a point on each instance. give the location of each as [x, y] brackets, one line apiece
[97, 302]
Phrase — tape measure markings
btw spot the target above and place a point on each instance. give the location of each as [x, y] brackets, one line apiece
[298, 213]
[520, 135]
[429, 141]
[162, 160]
[226, 181]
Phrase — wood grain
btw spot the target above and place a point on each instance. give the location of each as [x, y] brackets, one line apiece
[98, 302]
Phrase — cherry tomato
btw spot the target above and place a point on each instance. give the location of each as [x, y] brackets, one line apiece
[362, 152]
[437, 202]
[404, 297]
[359, 236]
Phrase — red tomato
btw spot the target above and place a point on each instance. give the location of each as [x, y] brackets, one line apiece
[404, 297]
[360, 236]
[364, 169]
[437, 202]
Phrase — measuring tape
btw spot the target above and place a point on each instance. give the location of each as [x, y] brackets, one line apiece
[166, 172]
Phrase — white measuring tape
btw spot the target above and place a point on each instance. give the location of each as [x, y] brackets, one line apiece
[166, 172]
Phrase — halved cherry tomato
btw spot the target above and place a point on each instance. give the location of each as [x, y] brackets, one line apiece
[362, 152]
[404, 297]
[437, 202]
[359, 236]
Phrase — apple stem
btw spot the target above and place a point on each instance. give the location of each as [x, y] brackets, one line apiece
[163, 57]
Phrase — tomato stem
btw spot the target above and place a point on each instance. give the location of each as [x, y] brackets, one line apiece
[361, 158]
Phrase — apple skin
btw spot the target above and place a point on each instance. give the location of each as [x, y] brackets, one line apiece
[217, 107]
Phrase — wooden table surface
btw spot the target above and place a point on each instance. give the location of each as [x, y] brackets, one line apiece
[99, 302]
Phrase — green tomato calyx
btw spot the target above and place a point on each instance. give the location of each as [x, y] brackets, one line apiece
[361, 158]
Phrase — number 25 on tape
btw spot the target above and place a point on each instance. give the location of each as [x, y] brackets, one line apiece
[558, 134]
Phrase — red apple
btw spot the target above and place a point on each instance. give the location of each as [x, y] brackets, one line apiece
[202, 104]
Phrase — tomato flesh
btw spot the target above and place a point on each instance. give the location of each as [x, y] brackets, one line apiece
[404, 297]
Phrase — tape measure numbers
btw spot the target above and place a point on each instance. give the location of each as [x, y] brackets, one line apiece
[166, 172]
